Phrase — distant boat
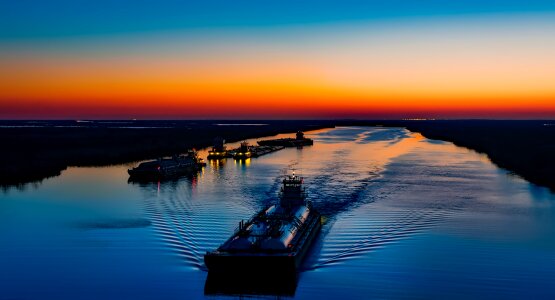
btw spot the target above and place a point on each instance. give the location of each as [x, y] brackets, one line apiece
[243, 152]
[275, 240]
[167, 167]
[219, 151]
[298, 141]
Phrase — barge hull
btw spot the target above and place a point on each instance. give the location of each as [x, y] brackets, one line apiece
[282, 263]
[286, 143]
[233, 264]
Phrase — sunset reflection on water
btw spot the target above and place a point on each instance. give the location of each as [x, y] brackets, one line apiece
[405, 217]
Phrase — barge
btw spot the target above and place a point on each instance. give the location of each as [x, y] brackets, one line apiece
[298, 141]
[163, 168]
[274, 240]
[263, 150]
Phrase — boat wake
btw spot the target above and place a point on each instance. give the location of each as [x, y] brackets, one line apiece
[351, 186]
[375, 231]
[171, 220]
[355, 196]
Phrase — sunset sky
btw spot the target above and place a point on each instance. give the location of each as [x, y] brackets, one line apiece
[277, 59]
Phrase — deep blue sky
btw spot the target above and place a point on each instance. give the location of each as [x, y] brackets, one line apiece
[59, 18]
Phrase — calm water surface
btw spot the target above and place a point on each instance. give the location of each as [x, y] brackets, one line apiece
[406, 217]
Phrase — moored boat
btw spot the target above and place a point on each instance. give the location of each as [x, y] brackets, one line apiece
[243, 152]
[167, 167]
[218, 150]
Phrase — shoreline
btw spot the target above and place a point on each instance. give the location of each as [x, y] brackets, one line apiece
[32, 154]
[523, 147]
[535, 165]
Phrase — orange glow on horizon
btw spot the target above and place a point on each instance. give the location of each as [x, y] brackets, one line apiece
[359, 76]
[139, 89]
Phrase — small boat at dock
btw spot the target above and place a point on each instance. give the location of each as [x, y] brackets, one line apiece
[243, 152]
[219, 151]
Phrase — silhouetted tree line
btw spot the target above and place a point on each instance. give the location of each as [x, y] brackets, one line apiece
[32, 154]
[526, 148]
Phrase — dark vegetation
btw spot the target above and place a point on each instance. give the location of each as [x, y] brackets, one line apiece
[28, 154]
[32, 151]
[526, 148]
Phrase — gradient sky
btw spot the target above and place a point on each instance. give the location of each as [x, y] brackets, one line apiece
[277, 59]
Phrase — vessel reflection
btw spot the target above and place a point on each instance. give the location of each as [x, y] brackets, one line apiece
[192, 177]
[244, 162]
[217, 163]
[398, 208]
[241, 284]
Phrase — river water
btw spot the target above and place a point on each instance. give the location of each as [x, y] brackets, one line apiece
[405, 217]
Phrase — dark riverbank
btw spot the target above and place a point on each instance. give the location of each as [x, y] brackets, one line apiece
[33, 151]
[526, 148]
